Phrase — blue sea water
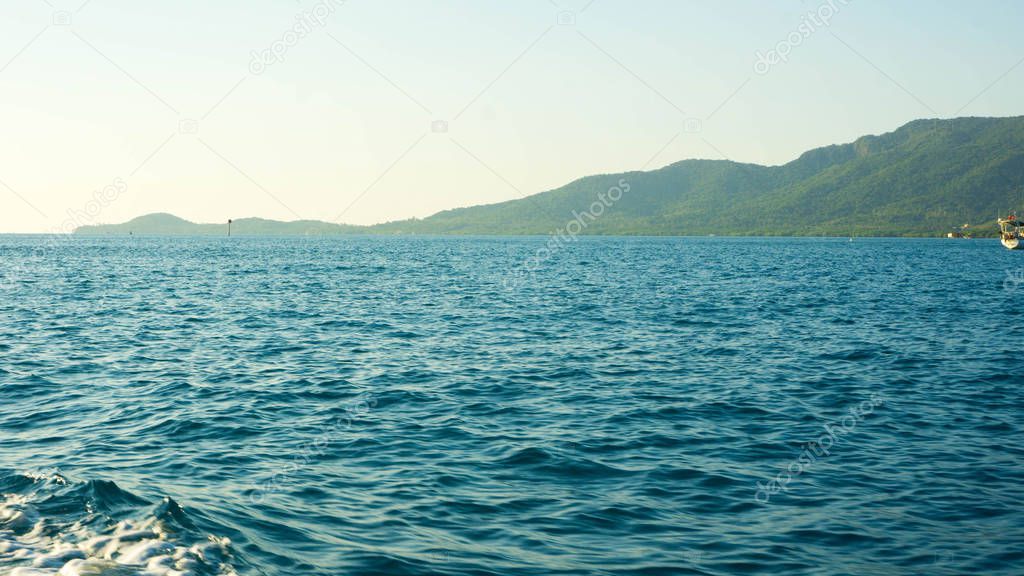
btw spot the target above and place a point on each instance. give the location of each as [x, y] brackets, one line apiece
[417, 405]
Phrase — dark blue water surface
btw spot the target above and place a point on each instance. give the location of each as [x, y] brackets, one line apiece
[416, 405]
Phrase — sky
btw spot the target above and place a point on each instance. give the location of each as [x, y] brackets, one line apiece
[364, 111]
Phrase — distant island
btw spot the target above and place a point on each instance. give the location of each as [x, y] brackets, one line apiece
[924, 179]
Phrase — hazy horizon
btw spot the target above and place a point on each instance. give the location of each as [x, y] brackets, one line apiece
[375, 112]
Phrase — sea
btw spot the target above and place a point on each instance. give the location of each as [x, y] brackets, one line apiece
[293, 406]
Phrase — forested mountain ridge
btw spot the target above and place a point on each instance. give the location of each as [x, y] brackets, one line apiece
[923, 179]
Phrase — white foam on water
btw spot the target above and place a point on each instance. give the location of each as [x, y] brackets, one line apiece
[130, 548]
[17, 514]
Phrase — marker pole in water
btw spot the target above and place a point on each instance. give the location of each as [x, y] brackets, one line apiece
[229, 227]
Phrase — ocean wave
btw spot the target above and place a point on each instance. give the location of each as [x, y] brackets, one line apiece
[51, 525]
[387, 406]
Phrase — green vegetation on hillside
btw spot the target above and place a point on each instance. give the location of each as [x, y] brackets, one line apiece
[924, 179]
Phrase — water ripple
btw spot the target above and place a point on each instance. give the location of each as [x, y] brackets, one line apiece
[386, 406]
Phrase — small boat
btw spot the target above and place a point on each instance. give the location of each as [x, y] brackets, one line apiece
[1011, 232]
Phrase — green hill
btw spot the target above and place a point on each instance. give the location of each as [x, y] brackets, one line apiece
[921, 180]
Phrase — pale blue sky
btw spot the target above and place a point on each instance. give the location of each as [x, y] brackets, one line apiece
[342, 126]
